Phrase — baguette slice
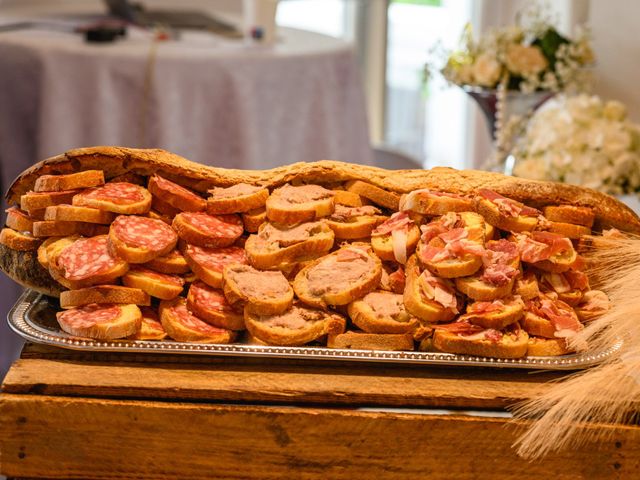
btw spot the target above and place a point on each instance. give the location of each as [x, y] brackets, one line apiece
[183, 326]
[203, 230]
[173, 262]
[349, 223]
[420, 294]
[296, 326]
[71, 213]
[570, 214]
[101, 294]
[38, 201]
[164, 208]
[150, 328]
[23, 242]
[275, 247]
[496, 314]
[210, 305]
[19, 220]
[509, 343]
[569, 230]
[158, 285]
[382, 312]
[71, 181]
[550, 318]
[593, 304]
[505, 213]
[160, 216]
[265, 293]
[526, 286]
[253, 219]
[396, 238]
[547, 347]
[340, 277]
[377, 195]
[102, 322]
[427, 202]
[208, 263]
[558, 283]
[289, 205]
[348, 199]
[138, 239]
[49, 228]
[176, 195]
[547, 251]
[371, 341]
[51, 248]
[116, 197]
[238, 198]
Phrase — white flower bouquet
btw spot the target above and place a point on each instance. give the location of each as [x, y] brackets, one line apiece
[528, 56]
[582, 140]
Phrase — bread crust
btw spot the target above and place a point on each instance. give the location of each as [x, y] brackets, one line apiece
[253, 219]
[104, 294]
[19, 220]
[19, 241]
[547, 347]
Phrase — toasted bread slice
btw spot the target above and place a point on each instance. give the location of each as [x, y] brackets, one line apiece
[49, 250]
[420, 293]
[350, 223]
[265, 293]
[296, 326]
[210, 305]
[593, 304]
[377, 195]
[150, 327]
[208, 263]
[164, 208]
[102, 322]
[371, 341]
[19, 220]
[36, 213]
[183, 326]
[547, 347]
[158, 285]
[21, 241]
[141, 239]
[289, 205]
[38, 201]
[427, 202]
[382, 312]
[547, 251]
[70, 213]
[49, 228]
[129, 177]
[496, 314]
[159, 216]
[276, 246]
[526, 286]
[505, 213]
[395, 239]
[538, 326]
[116, 197]
[457, 252]
[175, 195]
[558, 283]
[570, 214]
[509, 343]
[569, 230]
[348, 199]
[86, 262]
[238, 198]
[393, 278]
[253, 219]
[203, 230]
[114, 294]
[173, 262]
[477, 289]
[71, 181]
[340, 277]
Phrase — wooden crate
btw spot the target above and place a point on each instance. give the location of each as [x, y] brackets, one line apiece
[67, 414]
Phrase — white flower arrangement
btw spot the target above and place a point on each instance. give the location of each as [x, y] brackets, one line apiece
[582, 140]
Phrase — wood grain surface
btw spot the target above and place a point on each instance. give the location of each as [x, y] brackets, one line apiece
[60, 437]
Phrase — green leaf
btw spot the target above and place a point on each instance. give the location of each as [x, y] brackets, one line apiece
[549, 43]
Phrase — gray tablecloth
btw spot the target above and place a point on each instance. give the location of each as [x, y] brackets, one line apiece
[215, 101]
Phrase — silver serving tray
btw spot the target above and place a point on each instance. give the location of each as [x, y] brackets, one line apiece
[33, 317]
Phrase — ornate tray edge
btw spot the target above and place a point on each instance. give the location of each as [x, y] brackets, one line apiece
[19, 323]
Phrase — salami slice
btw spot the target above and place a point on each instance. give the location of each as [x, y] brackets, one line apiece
[208, 230]
[151, 328]
[104, 321]
[208, 263]
[117, 197]
[210, 305]
[86, 262]
[89, 315]
[183, 326]
[141, 239]
[175, 195]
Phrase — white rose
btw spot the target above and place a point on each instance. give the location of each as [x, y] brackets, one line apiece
[486, 70]
[525, 60]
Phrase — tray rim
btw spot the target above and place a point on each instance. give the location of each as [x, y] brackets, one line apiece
[18, 321]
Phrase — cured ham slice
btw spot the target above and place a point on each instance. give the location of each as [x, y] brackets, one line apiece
[562, 316]
[498, 258]
[438, 290]
[508, 206]
[397, 221]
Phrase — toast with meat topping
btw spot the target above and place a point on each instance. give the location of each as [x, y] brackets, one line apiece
[350, 223]
[395, 239]
[496, 314]
[432, 203]
[290, 205]
[429, 298]
[382, 312]
[296, 326]
[103, 322]
[509, 343]
[181, 199]
[340, 277]
[505, 213]
[264, 293]
[183, 326]
[238, 198]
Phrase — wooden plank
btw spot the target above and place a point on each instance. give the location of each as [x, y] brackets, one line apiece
[350, 384]
[114, 439]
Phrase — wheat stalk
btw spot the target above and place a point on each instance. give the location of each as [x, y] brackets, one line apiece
[609, 392]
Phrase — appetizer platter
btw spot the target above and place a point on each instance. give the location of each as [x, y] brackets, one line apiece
[146, 251]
